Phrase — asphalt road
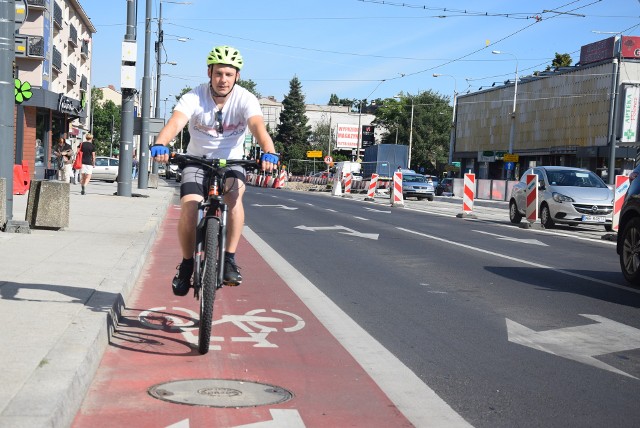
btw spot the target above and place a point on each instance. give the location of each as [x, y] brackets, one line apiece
[511, 327]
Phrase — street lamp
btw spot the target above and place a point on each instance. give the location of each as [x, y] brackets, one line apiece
[410, 131]
[513, 113]
[452, 139]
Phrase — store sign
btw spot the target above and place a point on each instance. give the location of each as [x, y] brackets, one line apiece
[347, 137]
[486, 156]
[69, 105]
[630, 115]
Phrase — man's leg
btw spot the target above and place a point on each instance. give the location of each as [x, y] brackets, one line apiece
[187, 224]
[235, 223]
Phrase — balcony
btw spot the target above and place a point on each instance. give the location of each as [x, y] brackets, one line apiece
[56, 60]
[84, 49]
[36, 47]
[84, 83]
[57, 16]
[72, 75]
[37, 4]
[73, 36]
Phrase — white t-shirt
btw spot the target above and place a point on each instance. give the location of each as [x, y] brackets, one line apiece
[199, 107]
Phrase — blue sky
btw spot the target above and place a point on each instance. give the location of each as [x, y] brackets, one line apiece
[360, 48]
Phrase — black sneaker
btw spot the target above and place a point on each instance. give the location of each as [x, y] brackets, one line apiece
[231, 273]
[182, 281]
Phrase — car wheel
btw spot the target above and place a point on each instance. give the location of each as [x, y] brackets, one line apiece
[630, 251]
[514, 214]
[608, 227]
[430, 199]
[545, 217]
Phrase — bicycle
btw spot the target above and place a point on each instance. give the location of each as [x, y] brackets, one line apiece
[211, 230]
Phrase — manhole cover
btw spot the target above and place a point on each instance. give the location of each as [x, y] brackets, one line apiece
[220, 393]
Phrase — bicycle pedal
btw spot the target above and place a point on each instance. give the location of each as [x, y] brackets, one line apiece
[231, 284]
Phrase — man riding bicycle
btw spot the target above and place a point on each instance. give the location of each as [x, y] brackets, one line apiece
[219, 113]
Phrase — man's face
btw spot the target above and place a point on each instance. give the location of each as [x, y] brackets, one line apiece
[223, 77]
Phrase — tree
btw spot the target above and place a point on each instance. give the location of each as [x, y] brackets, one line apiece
[431, 126]
[250, 86]
[560, 60]
[184, 136]
[104, 114]
[293, 132]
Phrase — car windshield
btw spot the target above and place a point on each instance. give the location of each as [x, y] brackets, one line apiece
[574, 178]
[413, 178]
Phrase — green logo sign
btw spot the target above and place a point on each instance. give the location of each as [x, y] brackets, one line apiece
[22, 91]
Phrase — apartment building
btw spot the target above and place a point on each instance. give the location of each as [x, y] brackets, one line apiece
[53, 67]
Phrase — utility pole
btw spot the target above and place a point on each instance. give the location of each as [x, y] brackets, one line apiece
[127, 84]
[7, 100]
[159, 47]
[143, 161]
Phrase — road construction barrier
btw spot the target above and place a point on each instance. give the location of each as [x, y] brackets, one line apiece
[282, 179]
[337, 187]
[622, 185]
[348, 180]
[531, 194]
[468, 193]
[371, 192]
[396, 197]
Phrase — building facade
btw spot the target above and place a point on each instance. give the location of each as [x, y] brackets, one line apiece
[568, 116]
[53, 73]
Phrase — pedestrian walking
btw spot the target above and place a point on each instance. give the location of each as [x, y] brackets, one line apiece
[88, 161]
[64, 159]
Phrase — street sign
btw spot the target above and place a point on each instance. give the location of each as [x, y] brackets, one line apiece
[314, 153]
[508, 166]
[511, 157]
[328, 159]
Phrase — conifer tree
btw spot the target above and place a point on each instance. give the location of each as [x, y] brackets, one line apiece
[293, 131]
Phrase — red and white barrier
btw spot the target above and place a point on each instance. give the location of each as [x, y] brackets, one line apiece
[348, 182]
[373, 184]
[531, 194]
[622, 185]
[282, 179]
[396, 197]
[469, 193]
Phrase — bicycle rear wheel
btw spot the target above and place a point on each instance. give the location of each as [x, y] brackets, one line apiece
[209, 283]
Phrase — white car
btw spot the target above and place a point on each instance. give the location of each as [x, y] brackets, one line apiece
[106, 169]
[565, 195]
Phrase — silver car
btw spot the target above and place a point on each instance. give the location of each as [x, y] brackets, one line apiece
[565, 195]
[416, 185]
[106, 169]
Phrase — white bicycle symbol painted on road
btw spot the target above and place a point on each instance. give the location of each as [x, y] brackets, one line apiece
[256, 326]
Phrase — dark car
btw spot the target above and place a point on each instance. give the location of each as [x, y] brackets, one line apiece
[444, 186]
[628, 244]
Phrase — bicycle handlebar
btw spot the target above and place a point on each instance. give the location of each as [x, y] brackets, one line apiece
[183, 159]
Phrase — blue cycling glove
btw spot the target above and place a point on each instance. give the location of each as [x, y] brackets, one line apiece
[270, 157]
[159, 149]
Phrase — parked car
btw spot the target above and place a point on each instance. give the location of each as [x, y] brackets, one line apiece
[416, 185]
[565, 195]
[106, 169]
[628, 243]
[444, 185]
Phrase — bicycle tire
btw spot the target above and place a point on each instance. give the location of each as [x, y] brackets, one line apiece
[209, 283]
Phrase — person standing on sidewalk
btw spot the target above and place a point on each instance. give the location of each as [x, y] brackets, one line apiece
[88, 161]
[64, 157]
[219, 114]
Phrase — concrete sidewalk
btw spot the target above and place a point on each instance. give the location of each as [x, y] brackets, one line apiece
[58, 291]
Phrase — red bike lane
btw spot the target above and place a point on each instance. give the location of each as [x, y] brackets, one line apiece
[271, 363]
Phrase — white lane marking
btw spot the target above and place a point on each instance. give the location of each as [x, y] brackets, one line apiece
[581, 343]
[361, 218]
[415, 400]
[509, 238]
[346, 230]
[377, 211]
[284, 207]
[525, 262]
[282, 418]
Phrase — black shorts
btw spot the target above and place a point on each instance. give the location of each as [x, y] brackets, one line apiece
[193, 179]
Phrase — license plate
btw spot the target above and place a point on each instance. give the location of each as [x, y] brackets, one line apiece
[594, 218]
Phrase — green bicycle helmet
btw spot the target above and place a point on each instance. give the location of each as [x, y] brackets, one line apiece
[225, 55]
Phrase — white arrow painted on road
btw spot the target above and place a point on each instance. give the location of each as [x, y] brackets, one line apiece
[347, 231]
[509, 238]
[284, 207]
[282, 418]
[581, 343]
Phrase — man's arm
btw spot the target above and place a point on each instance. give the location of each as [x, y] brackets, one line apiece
[177, 121]
[259, 131]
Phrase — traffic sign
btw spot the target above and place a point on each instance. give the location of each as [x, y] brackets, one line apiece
[508, 157]
[328, 159]
[314, 153]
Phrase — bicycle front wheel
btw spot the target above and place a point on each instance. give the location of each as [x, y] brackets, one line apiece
[209, 283]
